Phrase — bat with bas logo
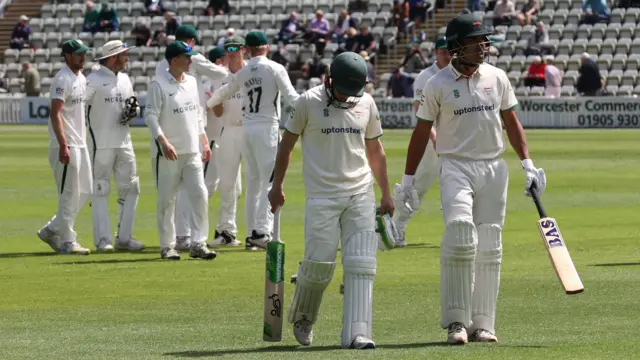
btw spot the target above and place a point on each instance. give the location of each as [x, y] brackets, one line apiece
[274, 286]
[558, 252]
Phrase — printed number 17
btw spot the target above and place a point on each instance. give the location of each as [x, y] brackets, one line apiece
[258, 92]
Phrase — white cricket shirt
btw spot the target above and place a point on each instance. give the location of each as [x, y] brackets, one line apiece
[466, 111]
[106, 93]
[421, 80]
[71, 89]
[173, 110]
[260, 82]
[334, 155]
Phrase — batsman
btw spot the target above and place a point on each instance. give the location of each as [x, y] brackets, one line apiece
[469, 102]
[340, 130]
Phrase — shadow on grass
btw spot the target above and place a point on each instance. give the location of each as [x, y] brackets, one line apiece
[23, 255]
[619, 264]
[108, 261]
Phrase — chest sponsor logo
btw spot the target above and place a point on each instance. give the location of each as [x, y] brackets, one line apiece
[473, 109]
[341, 130]
[114, 99]
[188, 107]
[77, 100]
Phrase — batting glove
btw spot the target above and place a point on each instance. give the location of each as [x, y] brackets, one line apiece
[131, 110]
[405, 196]
[533, 176]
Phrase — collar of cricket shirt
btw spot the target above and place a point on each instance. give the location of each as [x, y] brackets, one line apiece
[107, 71]
[457, 74]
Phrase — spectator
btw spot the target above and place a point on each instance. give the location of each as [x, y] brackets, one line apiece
[400, 14]
[142, 33]
[538, 41]
[536, 73]
[217, 7]
[529, 9]
[475, 5]
[350, 43]
[358, 6]
[31, 78]
[318, 31]
[504, 12]
[599, 11]
[589, 81]
[91, 17]
[345, 22]
[417, 12]
[154, 7]
[498, 37]
[108, 18]
[399, 85]
[365, 41]
[290, 28]
[281, 57]
[314, 71]
[371, 73]
[552, 78]
[21, 33]
[230, 33]
[414, 62]
[171, 24]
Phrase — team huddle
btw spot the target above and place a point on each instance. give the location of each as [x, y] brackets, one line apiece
[207, 115]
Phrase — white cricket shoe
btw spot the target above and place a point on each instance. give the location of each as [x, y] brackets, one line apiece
[361, 342]
[49, 237]
[169, 254]
[73, 248]
[104, 246]
[224, 238]
[259, 240]
[200, 251]
[482, 335]
[457, 334]
[400, 241]
[128, 245]
[183, 243]
[303, 331]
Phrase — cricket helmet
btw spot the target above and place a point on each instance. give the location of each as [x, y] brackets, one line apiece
[346, 75]
[466, 26]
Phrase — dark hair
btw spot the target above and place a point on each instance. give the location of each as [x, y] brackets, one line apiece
[103, 61]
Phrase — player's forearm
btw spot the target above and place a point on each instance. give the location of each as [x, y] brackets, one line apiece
[378, 163]
[517, 138]
[153, 123]
[204, 140]
[417, 146]
[216, 98]
[58, 129]
[283, 158]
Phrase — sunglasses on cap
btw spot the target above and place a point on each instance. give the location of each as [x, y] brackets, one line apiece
[188, 48]
[232, 48]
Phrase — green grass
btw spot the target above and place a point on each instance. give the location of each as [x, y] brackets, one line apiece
[134, 306]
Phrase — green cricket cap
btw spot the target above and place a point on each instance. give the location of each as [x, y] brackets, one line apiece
[178, 48]
[74, 47]
[236, 40]
[186, 32]
[256, 38]
[216, 53]
[464, 26]
[348, 73]
[441, 43]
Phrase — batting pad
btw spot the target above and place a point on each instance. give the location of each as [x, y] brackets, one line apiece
[127, 215]
[100, 211]
[487, 273]
[359, 263]
[457, 255]
[313, 279]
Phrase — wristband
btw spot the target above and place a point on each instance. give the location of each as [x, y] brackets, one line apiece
[407, 181]
[527, 164]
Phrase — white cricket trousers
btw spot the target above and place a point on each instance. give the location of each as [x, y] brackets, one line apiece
[229, 156]
[74, 184]
[185, 172]
[261, 146]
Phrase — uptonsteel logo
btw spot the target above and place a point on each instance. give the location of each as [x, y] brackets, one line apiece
[473, 109]
[344, 130]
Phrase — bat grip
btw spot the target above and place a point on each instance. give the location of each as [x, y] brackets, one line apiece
[536, 200]
[276, 225]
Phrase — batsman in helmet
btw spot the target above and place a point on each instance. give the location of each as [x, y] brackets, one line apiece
[469, 101]
[340, 130]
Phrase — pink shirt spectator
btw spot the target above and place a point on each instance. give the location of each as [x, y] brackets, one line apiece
[321, 26]
[553, 81]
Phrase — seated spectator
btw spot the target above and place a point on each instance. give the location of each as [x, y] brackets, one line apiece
[539, 41]
[400, 15]
[504, 12]
[281, 57]
[371, 73]
[108, 18]
[399, 85]
[358, 6]
[475, 5]
[318, 31]
[290, 28]
[415, 61]
[552, 78]
[142, 33]
[535, 75]
[365, 41]
[154, 7]
[31, 78]
[599, 11]
[171, 24]
[345, 21]
[314, 71]
[230, 33]
[350, 43]
[21, 33]
[498, 37]
[589, 82]
[160, 37]
[217, 7]
[91, 17]
[529, 9]
[417, 12]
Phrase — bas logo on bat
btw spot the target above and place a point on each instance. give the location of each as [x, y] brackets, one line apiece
[551, 234]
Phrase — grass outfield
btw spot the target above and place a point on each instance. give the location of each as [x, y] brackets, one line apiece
[135, 306]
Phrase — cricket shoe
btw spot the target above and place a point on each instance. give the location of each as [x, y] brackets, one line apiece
[303, 331]
[183, 243]
[482, 335]
[249, 246]
[201, 251]
[224, 238]
[259, 240]
[104, 246]
[73, 248]
[169, 254]
[361, 342]
[128, 245]
[49, 237]
[457, 334]
[400, 241]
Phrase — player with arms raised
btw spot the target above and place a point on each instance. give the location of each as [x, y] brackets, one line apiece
[469, 101]
[261, 82]
[340, 129]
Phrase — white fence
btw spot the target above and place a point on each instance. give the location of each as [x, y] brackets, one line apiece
[582, 112]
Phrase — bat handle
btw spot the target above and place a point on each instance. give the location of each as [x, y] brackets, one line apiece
[536, 200]
[276, 225]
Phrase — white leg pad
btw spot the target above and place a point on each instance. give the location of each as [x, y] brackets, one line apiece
[457, 255]
[359, 263]
[100, 211]
[487, 276]
[313, 279]
[128, 213]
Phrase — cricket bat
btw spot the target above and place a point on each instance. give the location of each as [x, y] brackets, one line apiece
[558, 252]
[274, 286]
